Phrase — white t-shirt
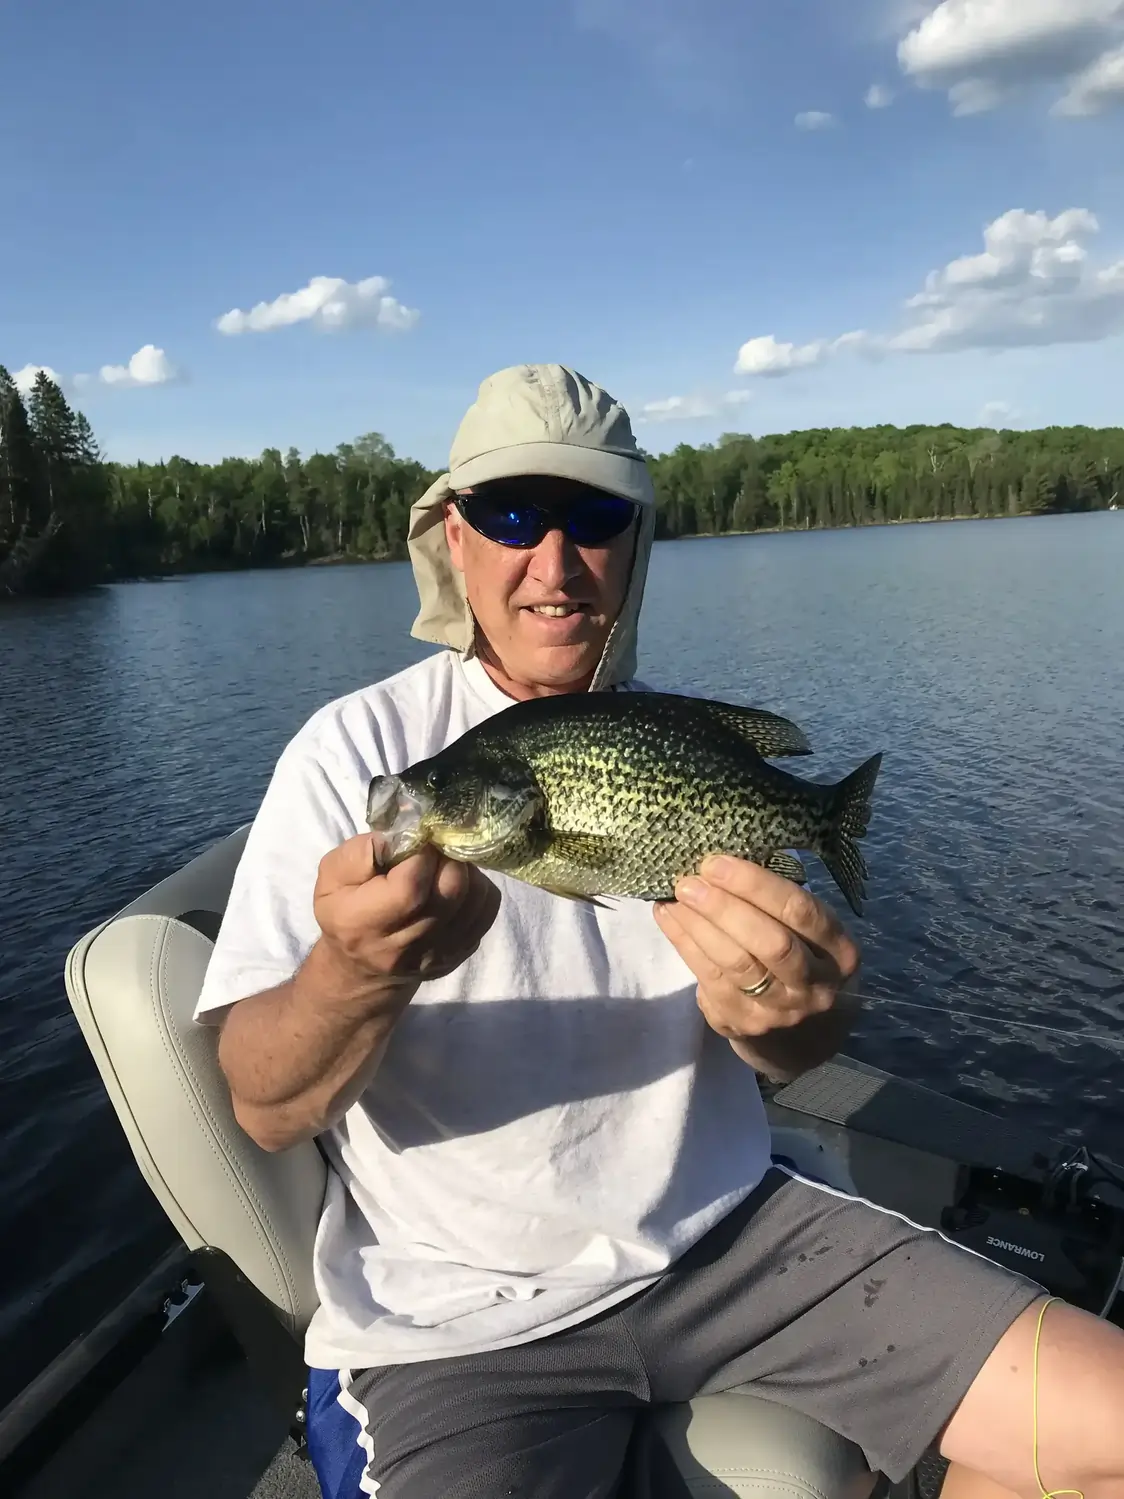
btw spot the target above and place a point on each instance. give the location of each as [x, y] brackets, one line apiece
[551, 1126]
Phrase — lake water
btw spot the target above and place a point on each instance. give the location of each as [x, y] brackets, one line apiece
[986, 659]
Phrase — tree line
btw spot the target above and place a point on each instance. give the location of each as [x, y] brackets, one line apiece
[69, 518]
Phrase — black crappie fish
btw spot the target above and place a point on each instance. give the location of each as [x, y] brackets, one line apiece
[621, 793]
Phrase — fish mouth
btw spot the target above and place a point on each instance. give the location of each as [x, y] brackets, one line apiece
[397, 814]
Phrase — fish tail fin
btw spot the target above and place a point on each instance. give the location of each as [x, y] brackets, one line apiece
[850, 813]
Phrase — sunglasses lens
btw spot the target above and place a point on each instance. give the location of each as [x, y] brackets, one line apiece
[590, 520]
[597, 519]
[510, 523]
[507, 522]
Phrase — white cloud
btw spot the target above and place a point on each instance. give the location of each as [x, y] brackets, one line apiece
[24, 379]
[691, 408]
[148, 366]
[330, 303]
[878, 96]
[1032, 285]
[965, 37]
[676, 409]
[814, 119]
[1099, 87]
[997, 414]
[983, 51]
[765, 356]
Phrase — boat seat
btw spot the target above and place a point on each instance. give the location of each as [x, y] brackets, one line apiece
[249, 1217]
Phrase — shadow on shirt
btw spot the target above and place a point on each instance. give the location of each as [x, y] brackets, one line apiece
[462, 1068]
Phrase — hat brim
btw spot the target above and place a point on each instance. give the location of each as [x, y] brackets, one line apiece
[615, 472]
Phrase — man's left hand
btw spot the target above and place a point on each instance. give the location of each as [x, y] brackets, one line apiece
[736, 924]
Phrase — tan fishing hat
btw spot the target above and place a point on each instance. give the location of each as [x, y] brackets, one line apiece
[532, 419]
[545, 419]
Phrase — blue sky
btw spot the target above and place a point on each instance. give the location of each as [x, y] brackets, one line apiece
[621, 185]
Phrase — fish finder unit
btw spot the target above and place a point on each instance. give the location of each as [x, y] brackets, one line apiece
[1052, 1230]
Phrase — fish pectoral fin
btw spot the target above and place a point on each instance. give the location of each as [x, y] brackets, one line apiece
[585, 900]
[588, 851]
[788, 866]
[593, 850]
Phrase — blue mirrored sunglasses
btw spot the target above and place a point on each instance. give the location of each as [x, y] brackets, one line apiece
[591, 519]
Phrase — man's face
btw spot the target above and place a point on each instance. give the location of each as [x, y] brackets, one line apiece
[533, 653]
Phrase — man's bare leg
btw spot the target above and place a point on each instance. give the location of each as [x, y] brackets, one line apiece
[1080, 1411]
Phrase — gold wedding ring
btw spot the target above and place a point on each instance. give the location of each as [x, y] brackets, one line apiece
[753, 990]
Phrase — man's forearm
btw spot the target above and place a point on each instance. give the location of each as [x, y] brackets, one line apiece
[785, 1053]
[298, 1056]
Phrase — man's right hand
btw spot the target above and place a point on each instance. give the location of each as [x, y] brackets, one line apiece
[420, 920]
[299, 1055]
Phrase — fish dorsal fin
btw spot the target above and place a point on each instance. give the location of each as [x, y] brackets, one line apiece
[768, 733]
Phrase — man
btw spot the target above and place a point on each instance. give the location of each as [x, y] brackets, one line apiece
[552, 1199]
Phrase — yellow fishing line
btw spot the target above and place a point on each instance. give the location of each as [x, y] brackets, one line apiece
[1052, 1493]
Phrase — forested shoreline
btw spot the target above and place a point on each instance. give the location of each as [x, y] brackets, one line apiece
[70, 519]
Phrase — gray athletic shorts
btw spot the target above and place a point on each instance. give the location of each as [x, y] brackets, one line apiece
[874, 1327]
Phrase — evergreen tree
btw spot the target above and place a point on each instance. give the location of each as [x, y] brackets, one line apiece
[18, 490]
[72, 483]
[26, 525]
[86, 444]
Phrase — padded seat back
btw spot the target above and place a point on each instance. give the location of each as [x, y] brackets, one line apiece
[133, 984]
